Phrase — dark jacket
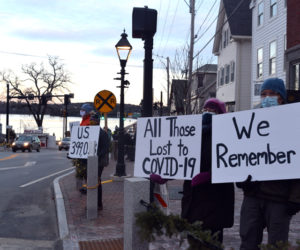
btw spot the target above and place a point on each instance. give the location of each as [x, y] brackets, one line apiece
[103, 148]
[213, 204]
[280, 191]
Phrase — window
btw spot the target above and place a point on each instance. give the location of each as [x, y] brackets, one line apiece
[257, 87]
[218, 78]
[284, 41]
[232, 65]
[200, 80]
[273, 8]
[222, 76]
[260, 17]
[259, 62]
[225, 38]
[295, 80]
[227, 67]
[272, 58]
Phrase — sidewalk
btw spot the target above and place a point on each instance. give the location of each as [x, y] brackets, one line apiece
[109, 224]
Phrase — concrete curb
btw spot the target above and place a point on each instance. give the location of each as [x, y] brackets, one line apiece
[60, 208]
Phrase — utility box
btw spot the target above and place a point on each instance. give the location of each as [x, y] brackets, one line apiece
[143, 22]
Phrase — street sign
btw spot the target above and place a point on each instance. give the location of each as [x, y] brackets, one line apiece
[105, 101]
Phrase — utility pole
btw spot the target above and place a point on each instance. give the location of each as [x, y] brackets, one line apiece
[7, 113]
[191, 52]
[168, 79]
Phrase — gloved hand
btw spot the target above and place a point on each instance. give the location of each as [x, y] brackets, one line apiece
[247, 185]
[201, 179]
[157, 179]
[293, 208]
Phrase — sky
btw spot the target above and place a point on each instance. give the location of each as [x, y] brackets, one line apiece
[83, 34]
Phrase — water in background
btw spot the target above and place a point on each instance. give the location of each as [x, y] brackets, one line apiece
[51, 124]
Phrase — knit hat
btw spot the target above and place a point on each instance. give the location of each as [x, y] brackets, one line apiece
[215, 104]
[275, 84]
[87, 108]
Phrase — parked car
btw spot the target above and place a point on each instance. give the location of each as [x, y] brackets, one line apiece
[27, 142]
[64, 144]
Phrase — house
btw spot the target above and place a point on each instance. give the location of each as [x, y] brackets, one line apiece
[232, 46]
[203, 86]
[268, 43]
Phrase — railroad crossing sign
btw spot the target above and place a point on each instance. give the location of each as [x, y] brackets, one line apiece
[105, 101]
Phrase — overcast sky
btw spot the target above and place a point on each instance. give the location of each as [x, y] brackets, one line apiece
[83, 33]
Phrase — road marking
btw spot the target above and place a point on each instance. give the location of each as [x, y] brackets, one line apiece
[9, 157]
[27, 164]
[45, 177]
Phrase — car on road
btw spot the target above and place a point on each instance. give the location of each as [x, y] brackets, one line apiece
[64, 144]
[26, 142]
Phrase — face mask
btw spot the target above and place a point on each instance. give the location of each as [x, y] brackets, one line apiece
[82, 113]
[269, 101]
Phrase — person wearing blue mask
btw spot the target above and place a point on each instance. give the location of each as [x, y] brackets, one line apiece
[269, 204]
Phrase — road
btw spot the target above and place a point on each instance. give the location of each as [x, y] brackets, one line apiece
[27, 206]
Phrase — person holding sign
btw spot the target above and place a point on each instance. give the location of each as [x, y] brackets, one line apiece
[92, 118]
[268, 204]
[213, 204]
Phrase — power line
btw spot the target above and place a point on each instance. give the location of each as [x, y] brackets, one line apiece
[170, 29]
[163, 31]
[228, 18]
[205, 18]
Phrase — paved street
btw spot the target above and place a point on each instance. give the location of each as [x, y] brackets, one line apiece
[27, 208]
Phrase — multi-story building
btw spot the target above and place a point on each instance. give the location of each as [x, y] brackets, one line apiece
[293, 45]
[203, 87]
[232, 46]
[268, 43]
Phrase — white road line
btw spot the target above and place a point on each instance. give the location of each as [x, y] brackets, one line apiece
[43, 178]
[27, 164]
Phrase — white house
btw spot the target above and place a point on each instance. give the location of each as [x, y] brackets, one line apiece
[268, 43]
[232, 45]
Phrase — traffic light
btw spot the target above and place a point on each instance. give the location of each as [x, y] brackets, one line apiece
[44, 100]
[67, 99]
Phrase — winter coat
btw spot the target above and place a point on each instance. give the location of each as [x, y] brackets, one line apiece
[85, 120]
[280, 191]
[213, 204]
[103, 148]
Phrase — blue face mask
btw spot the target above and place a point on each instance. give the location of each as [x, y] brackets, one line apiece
[269, 101]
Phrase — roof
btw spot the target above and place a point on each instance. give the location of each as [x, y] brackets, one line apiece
[240, 19]
[239, 16]
[208, 68]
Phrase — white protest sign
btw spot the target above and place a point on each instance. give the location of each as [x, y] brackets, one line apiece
[264, 143]
[169, 146]
[81, 136]
[71, 124]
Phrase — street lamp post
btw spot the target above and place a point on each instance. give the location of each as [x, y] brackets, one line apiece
[123, 48]
[7, 113]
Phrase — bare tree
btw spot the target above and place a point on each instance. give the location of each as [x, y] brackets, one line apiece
[38, 85]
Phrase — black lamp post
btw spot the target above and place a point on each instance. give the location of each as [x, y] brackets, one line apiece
[123, 48]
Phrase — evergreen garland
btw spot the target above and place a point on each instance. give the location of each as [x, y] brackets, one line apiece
[154, 222]
[81, 168]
